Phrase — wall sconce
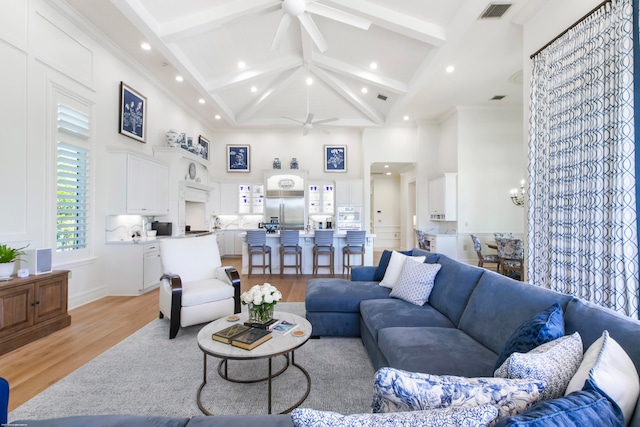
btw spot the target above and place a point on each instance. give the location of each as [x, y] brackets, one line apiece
[517, 196]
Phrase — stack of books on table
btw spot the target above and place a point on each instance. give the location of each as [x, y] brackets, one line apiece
[242, 336]
[268, 325]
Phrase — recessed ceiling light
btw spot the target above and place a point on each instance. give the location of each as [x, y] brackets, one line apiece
[405, 118]
[241, 65]
[217, 117]
[179, 78]
[386, 166]
[201, 101]
[373, 66]
[145, 46]
[364, 90]
[309, 81]
[254, 89]
[388, 173]
[450, 69]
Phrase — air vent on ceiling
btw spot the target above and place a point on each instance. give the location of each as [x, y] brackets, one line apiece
[495, 10]
[382, 97]
[497, 97]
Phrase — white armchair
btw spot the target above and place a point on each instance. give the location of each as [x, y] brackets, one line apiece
[195, 287]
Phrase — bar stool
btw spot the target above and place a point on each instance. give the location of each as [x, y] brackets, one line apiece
[257, 245]
[289, 240]
[323, 240]
[355, 246]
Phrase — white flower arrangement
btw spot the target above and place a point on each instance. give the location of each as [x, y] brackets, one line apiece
[261, 295]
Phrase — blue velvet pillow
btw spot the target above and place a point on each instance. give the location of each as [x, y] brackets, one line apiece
[588, 407]
[541, 328]
[384, 263]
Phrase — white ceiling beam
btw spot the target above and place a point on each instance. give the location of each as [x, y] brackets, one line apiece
[350, 71]
[283, 81]
[395, 21]
[212, 18]
[276, 66]
[349, 95]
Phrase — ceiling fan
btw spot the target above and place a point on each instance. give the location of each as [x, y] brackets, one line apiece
[301, 9]
[309, 124]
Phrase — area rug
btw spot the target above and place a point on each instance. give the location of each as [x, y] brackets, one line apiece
[148, 374]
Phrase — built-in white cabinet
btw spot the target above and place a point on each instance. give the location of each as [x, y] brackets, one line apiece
[349, 192]
[250, 198]
[232, 243]
[321, 198]
[443, 197]
[134, 268]
[138, 186]
[228, 198]
[445, 244]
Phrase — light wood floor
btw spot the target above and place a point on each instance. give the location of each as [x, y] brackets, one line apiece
[98, 326]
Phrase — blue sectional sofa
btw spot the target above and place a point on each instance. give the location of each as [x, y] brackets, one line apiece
[470, 315]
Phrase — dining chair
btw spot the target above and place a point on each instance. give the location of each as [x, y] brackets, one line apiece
[323, 245]
[491, 258]
[511, 255]
[422, 239]
[504, 235]
[257, 245]
[289, 245]
[355, 246]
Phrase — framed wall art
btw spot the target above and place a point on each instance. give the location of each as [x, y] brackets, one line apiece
[133, 113]
[203, 150]
[335, 158]
[238, 158]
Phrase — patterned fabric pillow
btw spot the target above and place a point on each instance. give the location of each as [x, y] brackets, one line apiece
[587, 407]
[397, 391]
[541, 328]
[415, 282]
[554, 362]
[395, 268]
[478, 416]
[612, 370]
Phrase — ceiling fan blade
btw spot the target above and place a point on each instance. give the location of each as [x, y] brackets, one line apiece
[281, 31]
[297, 121]
[313, 31]
[323, 130]
[309, 118]
[319, 122]
[338, 15]
[305, 131]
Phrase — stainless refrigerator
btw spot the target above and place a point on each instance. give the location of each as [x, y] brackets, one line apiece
[289, 210]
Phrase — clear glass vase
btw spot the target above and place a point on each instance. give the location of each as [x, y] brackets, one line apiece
[261, 313]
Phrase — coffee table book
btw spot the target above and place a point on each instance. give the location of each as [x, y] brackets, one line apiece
[227, 334]
[269, 325]
[251, 339]
[283, 327]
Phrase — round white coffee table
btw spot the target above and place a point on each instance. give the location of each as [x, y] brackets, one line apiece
[278, 345]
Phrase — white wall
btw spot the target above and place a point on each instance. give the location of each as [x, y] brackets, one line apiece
[41, 49]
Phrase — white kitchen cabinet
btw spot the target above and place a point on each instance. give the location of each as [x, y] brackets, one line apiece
[443, 198]
[250, 198]
[228, 198]
[349, 192]
[133, 268]
[445, 244]
[321, 198]
[233, 242]
[138, 185]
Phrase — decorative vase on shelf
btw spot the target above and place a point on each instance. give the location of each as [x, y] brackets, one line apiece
[261, 313]
[294, 163]
[172, 138]
[277, 164]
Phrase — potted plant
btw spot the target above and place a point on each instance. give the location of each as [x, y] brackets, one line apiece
[8, 258]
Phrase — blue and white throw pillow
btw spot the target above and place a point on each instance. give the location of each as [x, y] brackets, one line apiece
[612, 371]
[397, 391]
[555, 363]
[478, 416]
[415, 282]
[395, 268]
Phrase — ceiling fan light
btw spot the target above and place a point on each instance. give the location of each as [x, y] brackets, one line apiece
[293, 7]
[309, 81]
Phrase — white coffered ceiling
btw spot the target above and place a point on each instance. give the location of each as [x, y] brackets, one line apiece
[411, 41]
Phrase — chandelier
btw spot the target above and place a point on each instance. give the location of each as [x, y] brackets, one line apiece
[517, 196]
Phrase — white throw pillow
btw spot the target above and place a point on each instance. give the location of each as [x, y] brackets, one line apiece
[395, 268]
[415, 282]
[554, 362]
[477, 416]
[613, 371]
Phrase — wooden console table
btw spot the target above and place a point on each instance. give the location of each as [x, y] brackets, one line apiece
[32, 307]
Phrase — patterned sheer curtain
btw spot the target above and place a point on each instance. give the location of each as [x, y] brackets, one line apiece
[582, 237]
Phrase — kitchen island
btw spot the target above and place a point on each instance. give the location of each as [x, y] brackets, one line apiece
[306, 243]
